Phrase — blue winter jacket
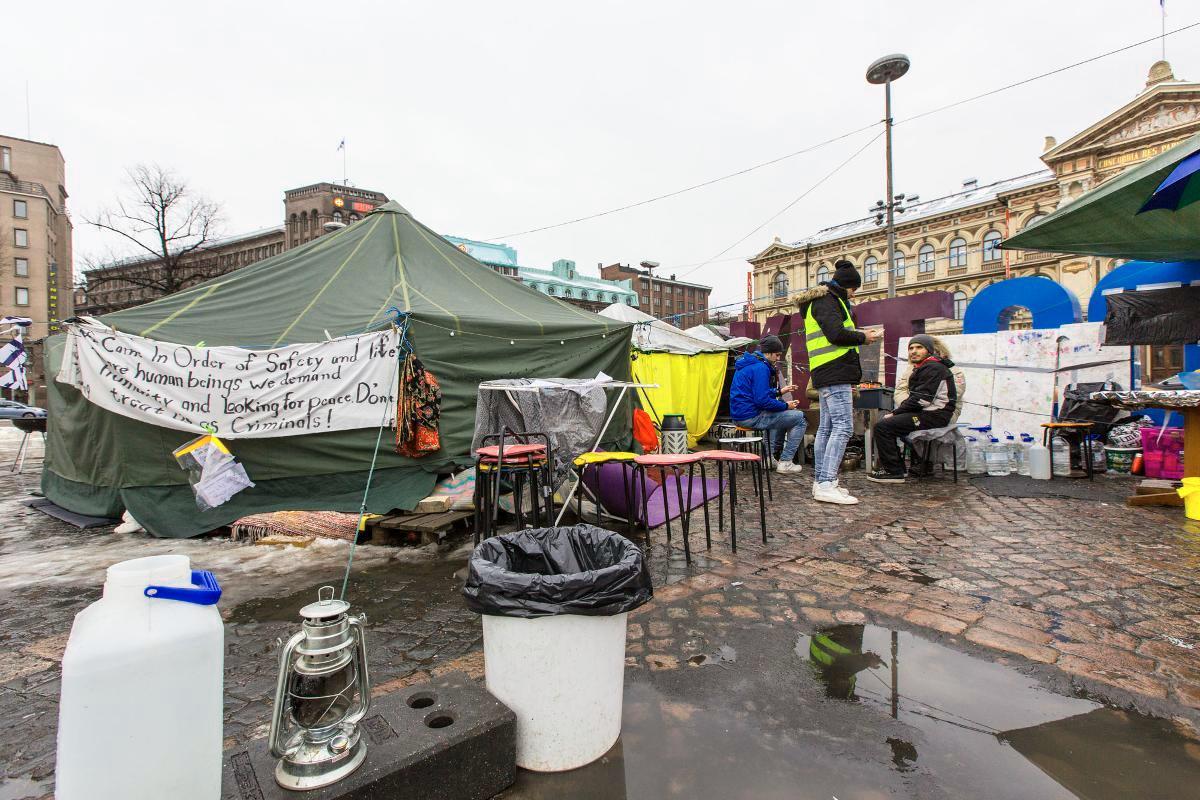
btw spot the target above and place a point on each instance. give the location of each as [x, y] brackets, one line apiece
[750, 394]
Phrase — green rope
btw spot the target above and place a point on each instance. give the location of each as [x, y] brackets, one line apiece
[362, 510]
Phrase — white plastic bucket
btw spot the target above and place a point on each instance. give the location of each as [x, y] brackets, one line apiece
[563, 677]
[141, 707]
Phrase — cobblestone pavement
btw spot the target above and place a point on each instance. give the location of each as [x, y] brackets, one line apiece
[1088, 596]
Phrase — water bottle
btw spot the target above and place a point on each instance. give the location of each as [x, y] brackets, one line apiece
[1026, 444]
[1014, 453]
[997, 455]
[975, 464]
[142, 687]
[1061, 450]
[1098, 461]
[1038, 458]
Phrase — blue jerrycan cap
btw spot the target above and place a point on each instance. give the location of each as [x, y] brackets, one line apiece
[206, 592]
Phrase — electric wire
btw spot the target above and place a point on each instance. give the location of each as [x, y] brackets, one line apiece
[846, 135]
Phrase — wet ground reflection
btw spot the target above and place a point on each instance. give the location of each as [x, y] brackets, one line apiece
[998, 729]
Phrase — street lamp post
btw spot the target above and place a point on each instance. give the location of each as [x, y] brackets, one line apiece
[886, 70]
[649, 267]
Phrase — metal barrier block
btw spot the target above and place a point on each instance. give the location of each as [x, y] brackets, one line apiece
[443, 740]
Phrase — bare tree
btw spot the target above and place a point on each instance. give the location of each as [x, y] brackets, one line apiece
[161, 219]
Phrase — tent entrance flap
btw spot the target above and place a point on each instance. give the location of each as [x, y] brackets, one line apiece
[687, 384]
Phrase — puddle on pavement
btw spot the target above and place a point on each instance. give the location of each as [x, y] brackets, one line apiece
[21, 788]
[670, 748]
[994, 731]
[724, 655]
[384, 592]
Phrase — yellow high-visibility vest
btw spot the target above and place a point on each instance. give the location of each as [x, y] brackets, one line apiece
[820, 349]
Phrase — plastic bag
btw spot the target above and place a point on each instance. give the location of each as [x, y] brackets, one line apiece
[213, 472]
[543, 572]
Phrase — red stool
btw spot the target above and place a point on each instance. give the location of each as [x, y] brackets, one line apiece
[522, 463]
[733, 458]
[675, 464]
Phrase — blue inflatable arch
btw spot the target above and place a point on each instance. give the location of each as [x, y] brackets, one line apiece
[1049, 302]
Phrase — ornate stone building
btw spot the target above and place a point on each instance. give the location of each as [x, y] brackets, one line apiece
[950, 243]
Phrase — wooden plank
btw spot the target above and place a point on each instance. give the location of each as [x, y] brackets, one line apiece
[436, 522]
[1191, 443]
[434, 504]
[1155, 486]
[1159, 499]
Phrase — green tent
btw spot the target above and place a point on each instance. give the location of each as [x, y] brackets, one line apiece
[1106, 222]
[467, 323]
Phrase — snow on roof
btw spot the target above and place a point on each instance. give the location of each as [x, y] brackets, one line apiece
[972, 196]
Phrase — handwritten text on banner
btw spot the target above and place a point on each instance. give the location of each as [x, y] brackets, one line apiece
[337, 385]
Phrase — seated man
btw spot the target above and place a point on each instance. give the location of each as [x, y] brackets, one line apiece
[754, 402]
[931, 401]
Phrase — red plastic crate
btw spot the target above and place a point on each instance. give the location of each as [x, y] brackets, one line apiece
[1163, 455]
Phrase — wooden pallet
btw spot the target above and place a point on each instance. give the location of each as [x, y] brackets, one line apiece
[413, 529]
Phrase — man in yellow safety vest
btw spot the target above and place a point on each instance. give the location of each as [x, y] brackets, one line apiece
[833, 341]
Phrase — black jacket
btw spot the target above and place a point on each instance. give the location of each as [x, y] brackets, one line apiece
[931, 392]
[828, 313]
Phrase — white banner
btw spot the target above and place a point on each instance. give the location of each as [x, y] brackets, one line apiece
[337, 385]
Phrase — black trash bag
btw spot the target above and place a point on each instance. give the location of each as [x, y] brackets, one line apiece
[1077, 406]
[543, 572]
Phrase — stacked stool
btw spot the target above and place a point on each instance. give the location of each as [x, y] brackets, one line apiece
[595, 459]
[522, 461]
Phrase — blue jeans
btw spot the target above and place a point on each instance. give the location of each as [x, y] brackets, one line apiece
[837, 424]
[773, 421]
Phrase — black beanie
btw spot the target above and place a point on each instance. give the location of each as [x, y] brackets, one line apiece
[771, 344]
[926, 341]
[846, 275]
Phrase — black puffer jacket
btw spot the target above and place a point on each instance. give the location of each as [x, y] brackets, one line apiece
[931, 393]
[829, 314]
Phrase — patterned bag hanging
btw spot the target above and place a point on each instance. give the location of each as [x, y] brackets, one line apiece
[418, 410]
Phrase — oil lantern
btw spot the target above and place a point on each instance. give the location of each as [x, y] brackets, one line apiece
[324, 691]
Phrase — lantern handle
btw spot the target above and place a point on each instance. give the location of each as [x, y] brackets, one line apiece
[285, 669]
[358, 626]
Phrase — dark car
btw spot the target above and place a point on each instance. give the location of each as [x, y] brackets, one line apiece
[11, 409]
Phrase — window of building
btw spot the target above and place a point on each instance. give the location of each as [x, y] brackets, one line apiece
[20, 237]
[871, 269]
[822, 273]
[551, 290]
[779, 285]
[960, 305]
[20, 209]
[991, 246]
[926, 259]
[22, 296]
[1161, 361]
[337, 216]
[1034, 219]
[568, 293]
[21, 267]
[6, 159]
[958, 253]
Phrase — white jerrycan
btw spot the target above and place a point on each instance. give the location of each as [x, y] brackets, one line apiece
[142, 687]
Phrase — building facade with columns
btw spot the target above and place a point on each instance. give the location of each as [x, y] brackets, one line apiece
[951, 243]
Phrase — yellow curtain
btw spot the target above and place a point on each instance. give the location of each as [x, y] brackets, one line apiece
[688, 385]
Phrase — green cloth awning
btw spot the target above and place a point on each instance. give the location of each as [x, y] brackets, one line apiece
[1106, 222]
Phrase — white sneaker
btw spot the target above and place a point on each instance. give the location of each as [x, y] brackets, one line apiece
[841, 488]
[829, 493]
[788, 466]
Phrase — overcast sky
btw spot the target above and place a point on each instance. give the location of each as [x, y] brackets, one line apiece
[489, 118]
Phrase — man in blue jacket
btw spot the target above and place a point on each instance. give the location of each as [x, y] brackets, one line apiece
[754, 400]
